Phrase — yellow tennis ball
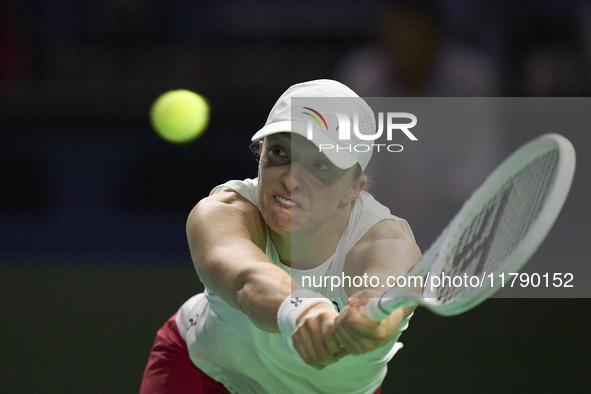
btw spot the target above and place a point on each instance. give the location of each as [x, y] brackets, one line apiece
[180, 115]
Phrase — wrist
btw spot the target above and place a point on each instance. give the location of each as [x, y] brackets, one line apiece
[294, 305]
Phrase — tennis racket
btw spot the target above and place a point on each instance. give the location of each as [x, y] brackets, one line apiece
[496, 231]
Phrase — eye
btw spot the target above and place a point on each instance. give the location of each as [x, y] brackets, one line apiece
[277, 151]
[320, 166]
[277, 154]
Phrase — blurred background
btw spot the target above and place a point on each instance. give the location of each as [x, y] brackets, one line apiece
[93, 255]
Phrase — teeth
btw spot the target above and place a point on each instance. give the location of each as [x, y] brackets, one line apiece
[284, 201]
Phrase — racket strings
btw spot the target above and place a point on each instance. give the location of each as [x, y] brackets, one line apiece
[497, 230]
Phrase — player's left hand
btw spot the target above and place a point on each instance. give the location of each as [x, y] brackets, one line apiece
[357, 333]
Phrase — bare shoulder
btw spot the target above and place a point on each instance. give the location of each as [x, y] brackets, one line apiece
[225, 201]
[385, 229]
[385, 248]
[225, 213]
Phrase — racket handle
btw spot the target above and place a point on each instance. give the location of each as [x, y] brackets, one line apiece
[373, 310]
[380, 308]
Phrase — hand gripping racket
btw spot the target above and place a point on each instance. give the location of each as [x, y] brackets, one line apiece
[496, 231]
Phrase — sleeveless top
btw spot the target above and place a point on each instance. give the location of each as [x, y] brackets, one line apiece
[227, 346]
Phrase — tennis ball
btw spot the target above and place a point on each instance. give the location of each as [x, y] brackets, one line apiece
[179, 116]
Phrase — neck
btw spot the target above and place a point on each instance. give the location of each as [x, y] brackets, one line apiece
[309, 249]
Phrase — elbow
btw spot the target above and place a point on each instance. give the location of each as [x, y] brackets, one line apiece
[243, 291]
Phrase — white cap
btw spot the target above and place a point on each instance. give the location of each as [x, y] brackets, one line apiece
[335, 97]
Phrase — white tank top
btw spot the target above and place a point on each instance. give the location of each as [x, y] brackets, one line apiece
[227, 346]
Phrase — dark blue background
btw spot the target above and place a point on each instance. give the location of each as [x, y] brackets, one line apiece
[93, 255]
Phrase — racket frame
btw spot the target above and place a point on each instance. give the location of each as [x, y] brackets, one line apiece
[399, 296]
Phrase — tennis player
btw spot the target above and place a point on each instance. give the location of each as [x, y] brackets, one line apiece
[255, 329]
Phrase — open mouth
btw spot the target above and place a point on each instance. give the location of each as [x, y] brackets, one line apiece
[286, 201]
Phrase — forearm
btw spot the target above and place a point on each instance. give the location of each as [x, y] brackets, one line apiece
[260, 295]
[254, 286]
[227, 239]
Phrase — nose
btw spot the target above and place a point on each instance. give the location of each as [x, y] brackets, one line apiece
[293, 178]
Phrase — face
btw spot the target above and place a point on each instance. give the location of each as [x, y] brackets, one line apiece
[300, 190]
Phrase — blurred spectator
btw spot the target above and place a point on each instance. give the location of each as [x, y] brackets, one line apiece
[458, 141]
[553, 62]
[413, 57]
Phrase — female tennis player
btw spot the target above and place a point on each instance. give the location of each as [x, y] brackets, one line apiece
[259, 327]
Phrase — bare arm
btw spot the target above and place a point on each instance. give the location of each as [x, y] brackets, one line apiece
[384, 251]
[227, 236]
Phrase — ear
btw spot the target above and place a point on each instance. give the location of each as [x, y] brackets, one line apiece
[355, 189]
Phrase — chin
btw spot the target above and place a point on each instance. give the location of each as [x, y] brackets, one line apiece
[279, 224]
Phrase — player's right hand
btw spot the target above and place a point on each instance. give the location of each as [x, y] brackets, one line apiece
[314, 336]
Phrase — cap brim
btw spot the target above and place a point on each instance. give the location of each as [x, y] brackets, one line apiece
[335, 152]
